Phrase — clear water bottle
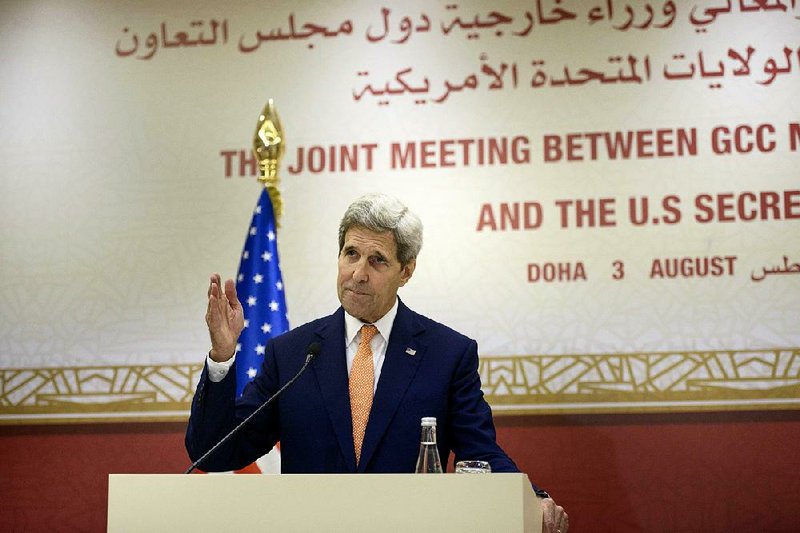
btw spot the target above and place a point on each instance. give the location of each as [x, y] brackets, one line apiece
[428, 461]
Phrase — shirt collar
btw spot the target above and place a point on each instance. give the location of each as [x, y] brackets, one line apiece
[352, 325]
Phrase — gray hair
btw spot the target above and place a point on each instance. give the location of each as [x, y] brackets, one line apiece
[380, 213]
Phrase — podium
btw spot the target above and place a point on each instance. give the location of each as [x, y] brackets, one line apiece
[322, 502]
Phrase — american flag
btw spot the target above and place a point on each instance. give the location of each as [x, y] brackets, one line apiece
[259, 286]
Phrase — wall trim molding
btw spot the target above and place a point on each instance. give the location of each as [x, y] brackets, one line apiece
[723, 380]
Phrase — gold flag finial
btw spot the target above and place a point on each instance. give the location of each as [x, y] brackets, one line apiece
[268, 146]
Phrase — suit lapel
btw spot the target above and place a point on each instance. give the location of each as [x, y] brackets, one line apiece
[330, 369]
[399, 369]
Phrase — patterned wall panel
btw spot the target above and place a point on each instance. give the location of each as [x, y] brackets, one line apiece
[669, 381]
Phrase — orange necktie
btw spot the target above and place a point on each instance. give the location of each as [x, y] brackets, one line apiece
[362, 384]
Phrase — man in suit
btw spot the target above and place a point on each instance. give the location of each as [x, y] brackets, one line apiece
[381, 368]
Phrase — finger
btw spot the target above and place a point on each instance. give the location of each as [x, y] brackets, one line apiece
[563, 520]
[213, 301]
[212, 280]
[212, 311]
[230, 294]
[217, 306]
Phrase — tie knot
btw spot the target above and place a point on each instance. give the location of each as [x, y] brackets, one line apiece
[367, 332]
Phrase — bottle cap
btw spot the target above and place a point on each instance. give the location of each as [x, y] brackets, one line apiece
[429, 421]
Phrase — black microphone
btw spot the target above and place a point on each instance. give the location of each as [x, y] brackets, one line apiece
[312, 352]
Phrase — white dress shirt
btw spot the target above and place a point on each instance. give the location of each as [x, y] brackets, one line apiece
[352, 336]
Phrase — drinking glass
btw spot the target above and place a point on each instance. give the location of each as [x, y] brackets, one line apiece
[473, 467]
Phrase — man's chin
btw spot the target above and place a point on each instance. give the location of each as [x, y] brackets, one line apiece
[353, 309]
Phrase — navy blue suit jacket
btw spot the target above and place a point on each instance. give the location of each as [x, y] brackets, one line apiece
[429, 370]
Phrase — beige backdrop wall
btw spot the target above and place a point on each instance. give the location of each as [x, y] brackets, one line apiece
[126, 180]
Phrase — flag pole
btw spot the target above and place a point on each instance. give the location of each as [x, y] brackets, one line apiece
[259, 282]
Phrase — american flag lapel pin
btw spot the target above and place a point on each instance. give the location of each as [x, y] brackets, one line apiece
[411, 351]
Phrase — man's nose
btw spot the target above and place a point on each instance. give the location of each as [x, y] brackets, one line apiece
[360, 272]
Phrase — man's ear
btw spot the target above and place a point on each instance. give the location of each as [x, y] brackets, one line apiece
[407, 271]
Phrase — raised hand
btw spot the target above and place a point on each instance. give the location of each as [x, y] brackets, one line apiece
[225, 318]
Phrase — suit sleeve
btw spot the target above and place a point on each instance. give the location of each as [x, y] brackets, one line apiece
[216, 411]
[471, 426]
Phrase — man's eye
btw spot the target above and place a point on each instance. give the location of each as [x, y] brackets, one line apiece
[378, 260]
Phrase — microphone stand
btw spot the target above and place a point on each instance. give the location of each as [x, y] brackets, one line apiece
[313, 350]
